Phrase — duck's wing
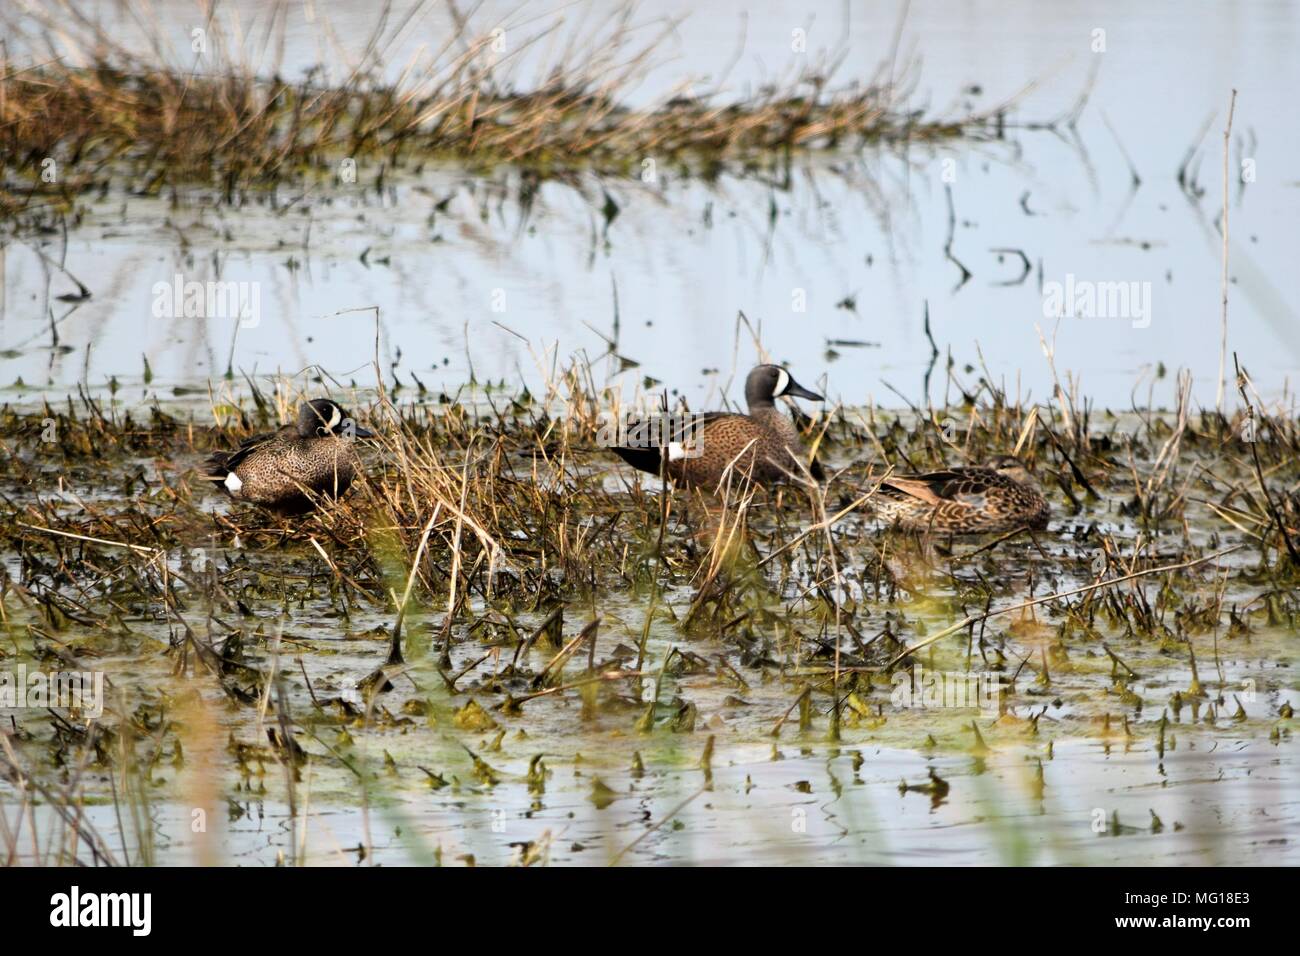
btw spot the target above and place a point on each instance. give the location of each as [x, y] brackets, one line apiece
[973, 485]
[927, 488]
[721, 437]
[650, 430]
[960, 485]
[646, 437]
[221, 463]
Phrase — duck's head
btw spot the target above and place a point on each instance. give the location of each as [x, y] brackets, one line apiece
[1011, 467]
[767, 383]
[323, 418]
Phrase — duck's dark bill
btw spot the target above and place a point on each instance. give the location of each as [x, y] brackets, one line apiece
[798, 391]
[360, 432]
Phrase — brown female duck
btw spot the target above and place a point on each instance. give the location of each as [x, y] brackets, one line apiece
[997, 497]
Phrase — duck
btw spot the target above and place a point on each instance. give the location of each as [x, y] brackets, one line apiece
[998, 496]
[763, 444]
[277, 470]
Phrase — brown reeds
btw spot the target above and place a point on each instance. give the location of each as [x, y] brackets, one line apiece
[95, 111]
[491, 534]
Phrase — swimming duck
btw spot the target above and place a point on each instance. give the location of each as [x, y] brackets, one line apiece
[996, 497]
[272, 470]
[764, 443]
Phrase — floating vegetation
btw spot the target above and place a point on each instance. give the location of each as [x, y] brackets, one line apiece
[502, 616]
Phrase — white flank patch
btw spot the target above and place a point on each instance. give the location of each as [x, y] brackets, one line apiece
[232, 483]
[676, 451]
[782, 383]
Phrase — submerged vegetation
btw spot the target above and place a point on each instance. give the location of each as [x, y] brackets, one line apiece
[500, 598]
[100, 113]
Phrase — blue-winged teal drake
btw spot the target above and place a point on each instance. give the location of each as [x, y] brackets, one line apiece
[764, 444]
[997, 497]
[316, 454]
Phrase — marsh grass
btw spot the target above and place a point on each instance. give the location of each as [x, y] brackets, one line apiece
[496, 571]
[509, 573]
[107, 113]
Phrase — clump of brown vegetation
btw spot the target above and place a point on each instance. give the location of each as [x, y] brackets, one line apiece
[496, 566]
[106, 114]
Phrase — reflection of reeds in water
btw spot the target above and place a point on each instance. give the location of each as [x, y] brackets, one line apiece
[98, 108]
[45, 821]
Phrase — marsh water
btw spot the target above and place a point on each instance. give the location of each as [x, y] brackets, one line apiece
[1095, 759]
[851, 249]
[836, 268]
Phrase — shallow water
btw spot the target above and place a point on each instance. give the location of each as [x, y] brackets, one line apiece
[1223, 790]
[482, 285]
[808, 808]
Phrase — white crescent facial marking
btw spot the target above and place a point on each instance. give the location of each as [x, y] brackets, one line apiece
[232, 483]
[676, 451]
[336, 416]
[782, 383]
